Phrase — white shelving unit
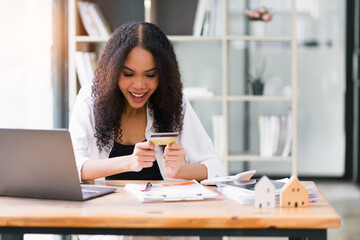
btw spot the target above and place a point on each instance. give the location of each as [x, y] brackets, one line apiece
[77, 41]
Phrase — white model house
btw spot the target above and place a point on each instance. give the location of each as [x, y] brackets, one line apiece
[294, 194]
[264, 193]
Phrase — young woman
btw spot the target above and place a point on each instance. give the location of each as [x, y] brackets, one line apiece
[137, 91]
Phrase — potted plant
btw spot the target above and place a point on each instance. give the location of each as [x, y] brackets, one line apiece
[257, 80]
[260, 14]
[258, 19]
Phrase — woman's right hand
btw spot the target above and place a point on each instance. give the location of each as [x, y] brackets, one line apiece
[143, 156]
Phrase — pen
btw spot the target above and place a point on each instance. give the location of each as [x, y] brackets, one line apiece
[148, 186]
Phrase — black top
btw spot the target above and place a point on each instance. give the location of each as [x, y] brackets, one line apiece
[152, 173]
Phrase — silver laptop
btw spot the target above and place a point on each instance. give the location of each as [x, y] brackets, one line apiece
[41, 164]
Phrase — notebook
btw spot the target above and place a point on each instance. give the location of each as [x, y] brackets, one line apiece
[41, 164]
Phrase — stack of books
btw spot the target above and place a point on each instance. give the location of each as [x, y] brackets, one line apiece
[85, 66]
[208, 18]
[275, 134]
[93, 19]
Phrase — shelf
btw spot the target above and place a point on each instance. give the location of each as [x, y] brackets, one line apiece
[214, 98]
[257, 158]
[229, 38]
[249, 98]
[258, 38]
[258, 98]
[190, 38]
[88, 39]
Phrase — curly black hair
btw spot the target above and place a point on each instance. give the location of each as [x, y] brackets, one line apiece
[165, 103]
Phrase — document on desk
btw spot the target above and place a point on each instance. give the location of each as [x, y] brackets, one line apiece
[184, 191]
[244, 191]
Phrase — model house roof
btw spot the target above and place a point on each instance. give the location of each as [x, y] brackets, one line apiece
[264, 182]
[264, 193]
[294, 194]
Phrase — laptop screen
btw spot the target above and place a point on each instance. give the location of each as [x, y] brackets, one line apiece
[38, 163]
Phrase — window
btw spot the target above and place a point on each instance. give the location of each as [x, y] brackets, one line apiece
[26, 92]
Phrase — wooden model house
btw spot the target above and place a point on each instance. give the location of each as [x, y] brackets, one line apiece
[294, 194]
[264, 193]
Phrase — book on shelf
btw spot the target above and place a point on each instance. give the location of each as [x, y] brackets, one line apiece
[265, 142]
[199, 17]
[93, 60]
[208, 18]
[219, 135]
[84, 62]
[87, 20]
[219, 18]
[287, 141]
[282, 136]
[275, 135]
[93, 19]
[243, 192]
[100, 21]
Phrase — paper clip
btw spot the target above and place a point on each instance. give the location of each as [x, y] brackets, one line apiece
[148, 186]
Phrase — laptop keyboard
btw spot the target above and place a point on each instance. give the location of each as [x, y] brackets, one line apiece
[87, 193]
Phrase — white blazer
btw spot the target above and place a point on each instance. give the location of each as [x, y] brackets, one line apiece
[193, 138]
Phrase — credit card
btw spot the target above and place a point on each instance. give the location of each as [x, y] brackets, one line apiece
[163, 138]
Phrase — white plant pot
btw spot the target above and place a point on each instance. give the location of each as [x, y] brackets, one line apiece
[258, 28]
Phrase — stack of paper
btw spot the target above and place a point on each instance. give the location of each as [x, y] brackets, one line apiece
[244, 193]
[191, 190]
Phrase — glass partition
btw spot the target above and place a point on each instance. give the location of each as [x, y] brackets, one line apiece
[200, 66]
[240, 24]
[269, 60]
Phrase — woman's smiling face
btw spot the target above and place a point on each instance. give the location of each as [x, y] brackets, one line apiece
[138, 77]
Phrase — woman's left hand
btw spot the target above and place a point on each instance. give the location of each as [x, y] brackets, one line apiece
[174, 156]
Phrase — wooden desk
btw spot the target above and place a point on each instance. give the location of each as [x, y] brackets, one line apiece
[121, 213]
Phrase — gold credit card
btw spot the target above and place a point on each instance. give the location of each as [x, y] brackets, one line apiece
[163, 138]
